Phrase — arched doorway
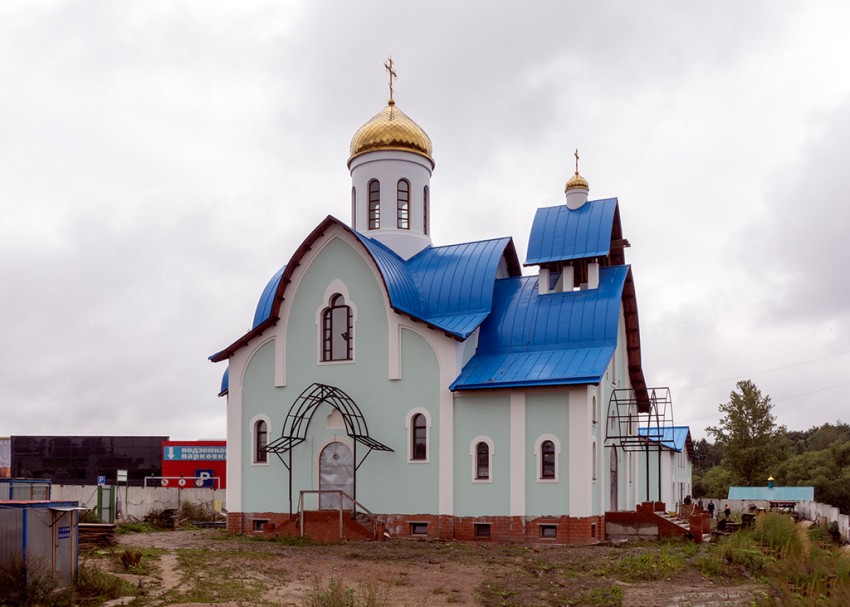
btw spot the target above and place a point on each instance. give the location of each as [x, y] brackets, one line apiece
[614, 506]
[336, 472]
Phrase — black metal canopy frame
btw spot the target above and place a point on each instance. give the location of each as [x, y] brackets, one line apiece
[298, 419]
[632, 430]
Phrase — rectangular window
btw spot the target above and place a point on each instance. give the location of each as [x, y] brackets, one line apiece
[258, 524]
[418, 528]
[482, 530]
[549, 531]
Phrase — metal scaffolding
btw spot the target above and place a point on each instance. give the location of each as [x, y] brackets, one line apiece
[633, 426]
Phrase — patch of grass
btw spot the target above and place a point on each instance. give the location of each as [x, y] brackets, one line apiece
[25, 586]
[604, 596]
[94, 583]
[654, 565]
[780, 534]
[136, 527]
[337, 594]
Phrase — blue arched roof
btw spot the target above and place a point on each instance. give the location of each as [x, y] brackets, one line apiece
[264, 306]
[560, 233]
[552, 339]
[450, 287]
[225, 382]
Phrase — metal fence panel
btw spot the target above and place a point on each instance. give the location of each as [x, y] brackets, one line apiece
[11, 536]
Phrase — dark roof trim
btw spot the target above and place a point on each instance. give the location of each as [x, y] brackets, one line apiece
[509, 255]
[630, 315]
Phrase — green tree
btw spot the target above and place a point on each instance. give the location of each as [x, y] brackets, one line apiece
[749, 436]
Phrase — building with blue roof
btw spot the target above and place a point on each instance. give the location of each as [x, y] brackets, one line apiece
[438, 386]
[667, 465]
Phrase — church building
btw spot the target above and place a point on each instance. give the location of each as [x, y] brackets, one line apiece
[438, 386]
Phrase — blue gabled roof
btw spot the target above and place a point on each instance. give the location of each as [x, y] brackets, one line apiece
[560, 233]
[449, 287]
[780, 494]
[264, 306]
[674, 438]
[553, 339]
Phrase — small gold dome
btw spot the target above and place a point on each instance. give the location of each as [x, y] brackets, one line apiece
[391, 129]
[576, 181]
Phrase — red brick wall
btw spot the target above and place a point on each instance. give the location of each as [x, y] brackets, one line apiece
[324, 526]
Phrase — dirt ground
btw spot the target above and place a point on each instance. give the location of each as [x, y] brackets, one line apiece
[208, 567]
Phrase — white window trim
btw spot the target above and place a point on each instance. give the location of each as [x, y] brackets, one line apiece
[473, 454]
[539, 457]
[253, 439]
[336, 287]
[408, 424]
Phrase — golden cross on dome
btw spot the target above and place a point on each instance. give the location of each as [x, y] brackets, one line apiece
[576, 155]
[389, 65]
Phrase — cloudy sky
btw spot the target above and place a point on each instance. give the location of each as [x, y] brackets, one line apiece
[159, 161]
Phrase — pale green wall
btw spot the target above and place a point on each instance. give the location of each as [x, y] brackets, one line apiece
[386, 482]
[547, 413]
[482, 415]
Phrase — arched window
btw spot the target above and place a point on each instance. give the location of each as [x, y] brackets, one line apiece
[419, 437]
[426, 209]
[374, 204]
[353, 208]
[337, 340]
[403, 200]
[261, 439]
[547, 460]
[482, 461]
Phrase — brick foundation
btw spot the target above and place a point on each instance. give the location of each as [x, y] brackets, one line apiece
[324, 526]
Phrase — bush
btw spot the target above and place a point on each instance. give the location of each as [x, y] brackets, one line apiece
[779, 533]
[93, 582]
[25, 586]
[130, 559]
[196, 512]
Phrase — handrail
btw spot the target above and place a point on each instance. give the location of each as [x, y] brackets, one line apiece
[342, 497]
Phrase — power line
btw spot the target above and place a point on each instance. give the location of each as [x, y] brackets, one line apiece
[739, 377]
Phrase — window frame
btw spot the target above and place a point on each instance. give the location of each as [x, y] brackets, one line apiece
[374, 214]
[354, 208]
[328, 330]
[255, 443]
[426, 209]
[410, 431]
[403, 204]
[474, 458]
[594, 466]
[538, 452]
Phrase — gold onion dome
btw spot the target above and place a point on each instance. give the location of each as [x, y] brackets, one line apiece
[576, 181]
[391, 129]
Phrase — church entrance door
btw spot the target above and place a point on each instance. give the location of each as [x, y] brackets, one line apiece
[336, 472]
[613, 469]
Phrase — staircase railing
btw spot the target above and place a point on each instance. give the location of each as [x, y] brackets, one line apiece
[355, 505]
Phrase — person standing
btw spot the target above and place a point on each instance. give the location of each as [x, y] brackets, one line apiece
[711, 509]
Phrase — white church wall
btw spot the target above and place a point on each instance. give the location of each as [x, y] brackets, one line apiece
[547, 416]
[386, 482]
[482, 415]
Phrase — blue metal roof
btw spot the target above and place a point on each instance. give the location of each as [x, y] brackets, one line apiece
[449, 287]
[674, 438]
[553, 339]
[225, 382]
[560, 233]
[781, 494]
[264, 306]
